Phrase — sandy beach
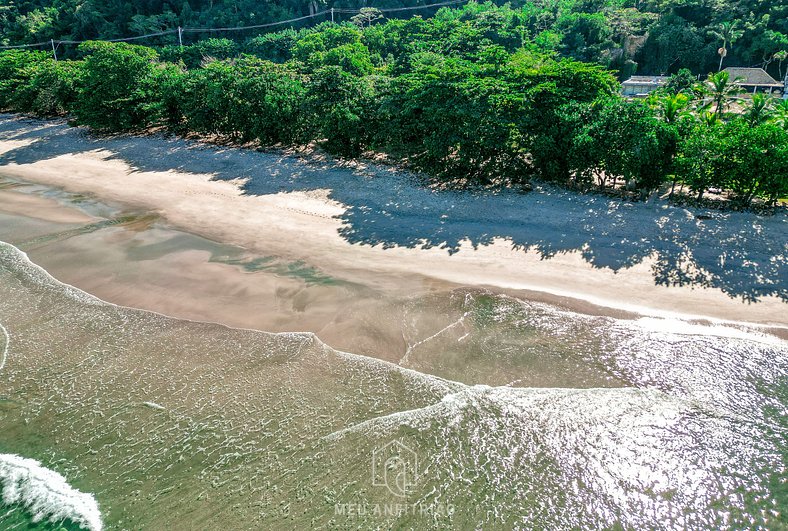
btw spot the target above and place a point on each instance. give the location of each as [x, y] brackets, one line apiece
[385, 228]
[506, 341]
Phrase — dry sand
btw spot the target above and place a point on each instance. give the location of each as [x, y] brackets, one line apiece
[382, 228]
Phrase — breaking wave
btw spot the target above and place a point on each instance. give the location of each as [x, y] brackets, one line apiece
[6, 342]
[45, 494]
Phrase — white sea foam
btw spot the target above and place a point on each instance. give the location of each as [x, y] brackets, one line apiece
[45, 493]
[682, 327]
[6, 342]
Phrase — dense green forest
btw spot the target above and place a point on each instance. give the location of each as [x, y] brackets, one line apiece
[644, 36]
[465, 96]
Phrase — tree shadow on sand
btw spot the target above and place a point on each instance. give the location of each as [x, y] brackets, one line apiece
[742, 254]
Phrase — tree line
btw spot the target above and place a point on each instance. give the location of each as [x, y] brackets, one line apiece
[646, 36]
[459, 96]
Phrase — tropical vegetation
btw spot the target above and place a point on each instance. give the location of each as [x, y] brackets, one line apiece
[466, 96]
[647, 36]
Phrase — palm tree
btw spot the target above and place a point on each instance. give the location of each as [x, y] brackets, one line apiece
[780, 57]
[709, 118]
[780, 115]
[672, 107]
[720, 91]
[758, 110]
[728, 33]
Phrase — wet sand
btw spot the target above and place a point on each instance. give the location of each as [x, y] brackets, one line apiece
[306, 226]
[135, 259]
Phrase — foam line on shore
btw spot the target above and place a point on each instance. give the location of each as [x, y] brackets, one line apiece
[84, 297]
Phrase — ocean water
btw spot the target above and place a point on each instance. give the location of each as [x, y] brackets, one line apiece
[510, 414]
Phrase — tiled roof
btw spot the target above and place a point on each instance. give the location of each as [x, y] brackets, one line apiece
[752, 76]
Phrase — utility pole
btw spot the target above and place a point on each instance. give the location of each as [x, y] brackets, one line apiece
[54, 50]
[180, 36]
[332, 15]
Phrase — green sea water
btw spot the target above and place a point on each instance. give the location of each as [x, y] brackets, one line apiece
[174, 424]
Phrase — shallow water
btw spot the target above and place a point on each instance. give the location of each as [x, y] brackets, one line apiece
[491, 411]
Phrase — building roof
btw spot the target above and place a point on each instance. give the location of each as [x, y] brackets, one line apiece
[753, 77]
[646, 80]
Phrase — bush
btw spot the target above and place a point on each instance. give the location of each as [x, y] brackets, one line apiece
[756, 160]
[339, 109]
[247, 99]
[207, 96]
[276, 47]
[269, 99]
[116, 88]
[50, 89]
[17, 68]
[700, 162]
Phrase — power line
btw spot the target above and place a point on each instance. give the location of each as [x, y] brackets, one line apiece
[25, 45]
[235, 28]
[257, 26]
[397, 9]
[125, 39]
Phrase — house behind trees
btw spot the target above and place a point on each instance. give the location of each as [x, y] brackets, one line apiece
[641, 86]
[755, 80]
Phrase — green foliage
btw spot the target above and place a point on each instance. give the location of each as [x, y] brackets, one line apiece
[366, 16]
[751, 161]
[728, 33]
[758, 110]
[480, 94]
[454, 120]
[779, 116]
[674, 42]
[549, 128]
[700, 161]
[336, 46]
[166, 107]
[720, 90]
[207, 50]
[116, 87]
[277, 47]
[648, 36]
[625, 140]
[247, 99]
[50, 89]
[207, 96]
[681, 81]
[17, 67]
[755, 160]
[339, 107]
[269, 101]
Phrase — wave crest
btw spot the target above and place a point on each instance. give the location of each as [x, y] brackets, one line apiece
[46, 494]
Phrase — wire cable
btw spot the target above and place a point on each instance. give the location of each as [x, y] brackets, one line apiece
[235, 28]
[256, 26]
[24, 45]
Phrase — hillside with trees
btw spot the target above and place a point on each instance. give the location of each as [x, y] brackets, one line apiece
[643, 36]
[469, 97]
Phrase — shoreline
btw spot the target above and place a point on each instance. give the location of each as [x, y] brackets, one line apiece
[198, 189]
